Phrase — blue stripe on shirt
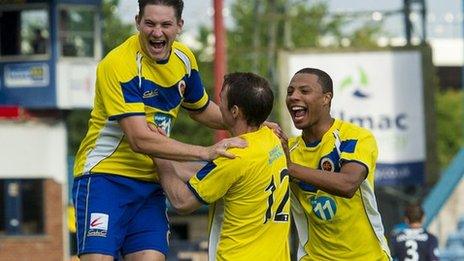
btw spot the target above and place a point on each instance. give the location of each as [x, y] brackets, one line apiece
[201, 174]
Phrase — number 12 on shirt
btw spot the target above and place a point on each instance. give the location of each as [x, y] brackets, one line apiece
[280, 215]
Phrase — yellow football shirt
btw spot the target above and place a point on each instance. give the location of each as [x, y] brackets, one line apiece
[331, 227]
[249, 197]
[130, 83]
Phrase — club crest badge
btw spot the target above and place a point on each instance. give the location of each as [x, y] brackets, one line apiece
[327, 164]
[181, 87]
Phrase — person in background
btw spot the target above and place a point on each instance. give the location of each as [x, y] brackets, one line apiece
[414, 242]
[39, 43]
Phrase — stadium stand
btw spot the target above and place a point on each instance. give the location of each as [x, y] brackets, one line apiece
[444, 204]
[454, 250]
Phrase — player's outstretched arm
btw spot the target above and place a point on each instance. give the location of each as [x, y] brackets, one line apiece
[179, 195]
[211, 116]
[143, 140]
[342, 184]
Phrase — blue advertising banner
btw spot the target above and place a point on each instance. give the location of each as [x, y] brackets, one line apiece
[24, 75]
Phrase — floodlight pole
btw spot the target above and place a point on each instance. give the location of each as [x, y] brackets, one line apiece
[424, 20]
[220, 57]
[408, 26]
[407, 20]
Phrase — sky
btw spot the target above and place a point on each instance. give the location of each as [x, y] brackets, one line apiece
[444, 16]
[196, 12]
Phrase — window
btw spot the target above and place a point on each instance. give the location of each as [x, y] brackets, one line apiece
[24, 32]
[21, 207]
[77, 31]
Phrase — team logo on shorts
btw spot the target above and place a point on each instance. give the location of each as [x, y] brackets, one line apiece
[327, 164]
[324, 207]
[181, 86]
[98, 226]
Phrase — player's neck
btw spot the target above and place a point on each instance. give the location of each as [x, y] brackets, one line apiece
[317, 131]
[415, 225]
[241, 127]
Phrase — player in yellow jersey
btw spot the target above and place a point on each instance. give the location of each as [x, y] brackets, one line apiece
[120, 207]
[333, 165]
[248, 195]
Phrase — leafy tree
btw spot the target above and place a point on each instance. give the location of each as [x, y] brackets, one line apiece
[114, 30]
[77, 123]
[450, 132]
[296, 24]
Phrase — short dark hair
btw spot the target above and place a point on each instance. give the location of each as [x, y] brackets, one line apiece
[251, 93]
[324, 78]
[178, 6]
[414, 213]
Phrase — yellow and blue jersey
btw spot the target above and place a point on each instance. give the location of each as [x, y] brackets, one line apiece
[331, 227]
[249, 197]
[130, 83]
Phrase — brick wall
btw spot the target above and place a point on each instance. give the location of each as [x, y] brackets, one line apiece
[42, 247]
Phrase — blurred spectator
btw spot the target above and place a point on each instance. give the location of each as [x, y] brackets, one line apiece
[414, 242]
[39, 43]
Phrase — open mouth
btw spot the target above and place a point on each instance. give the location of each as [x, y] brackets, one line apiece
[158, 45]
[298, 112]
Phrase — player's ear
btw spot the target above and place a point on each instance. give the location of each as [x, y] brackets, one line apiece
[327, 98]
[235, 111]
[180, 24]
[137, 22]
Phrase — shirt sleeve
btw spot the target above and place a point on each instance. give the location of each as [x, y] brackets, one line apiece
[214, 179]
[362, 150]
[119, 99]
[195, 96]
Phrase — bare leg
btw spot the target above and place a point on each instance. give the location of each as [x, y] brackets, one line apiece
[145, 255]
[96, 257]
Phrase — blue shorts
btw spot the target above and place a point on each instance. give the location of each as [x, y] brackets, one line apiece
[117, 216]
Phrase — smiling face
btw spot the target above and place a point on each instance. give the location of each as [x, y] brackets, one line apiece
[306, 101]
[158, 27]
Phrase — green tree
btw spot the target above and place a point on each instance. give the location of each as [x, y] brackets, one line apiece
[449, 114]
[289, 24]
[115, 31]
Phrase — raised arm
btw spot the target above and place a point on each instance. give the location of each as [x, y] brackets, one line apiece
[211, 116]
[143, 140]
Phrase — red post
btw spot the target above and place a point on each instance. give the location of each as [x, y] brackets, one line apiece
[220, 57]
